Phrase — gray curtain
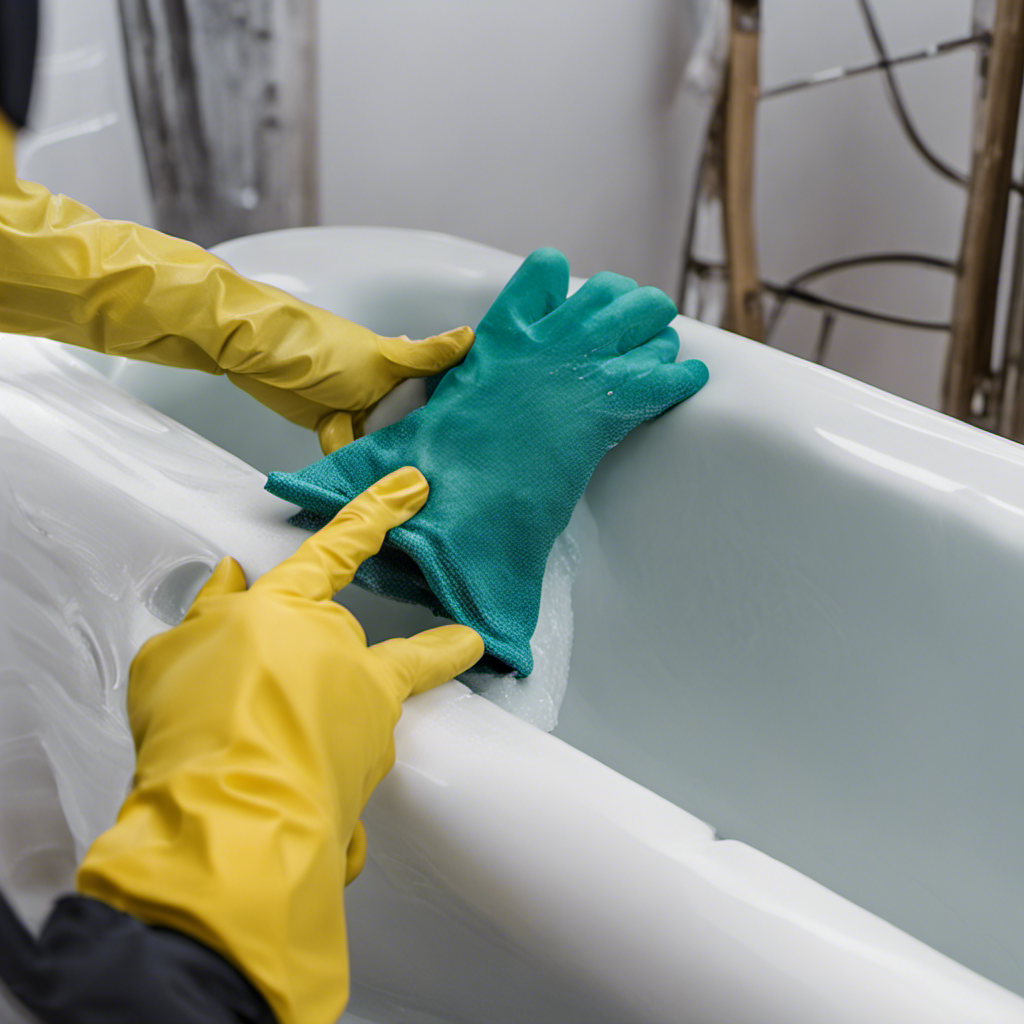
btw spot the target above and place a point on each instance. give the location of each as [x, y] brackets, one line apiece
[225, 94]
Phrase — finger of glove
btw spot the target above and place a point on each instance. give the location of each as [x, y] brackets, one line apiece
[653, 383]
[335, 431]
[355, 855]
[662, 348]
[430, 658]
[539, 286]
[632, 319]
[423, 358]
[329, 559]
[579, 310]
[227, 578]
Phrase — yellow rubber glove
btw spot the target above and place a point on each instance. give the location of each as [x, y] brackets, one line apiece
[262, 724]
[119, 288]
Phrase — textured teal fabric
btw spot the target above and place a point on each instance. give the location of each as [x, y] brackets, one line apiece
[508, 440]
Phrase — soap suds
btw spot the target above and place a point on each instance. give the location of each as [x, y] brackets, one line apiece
[538, 698]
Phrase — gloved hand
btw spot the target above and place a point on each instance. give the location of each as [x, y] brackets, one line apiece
[122, 289]
[262, 724]
[508, 441]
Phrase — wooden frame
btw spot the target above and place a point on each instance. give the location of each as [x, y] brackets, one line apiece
[743, 312]
[970, 389]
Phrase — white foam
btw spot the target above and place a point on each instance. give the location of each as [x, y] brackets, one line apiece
[538, 698]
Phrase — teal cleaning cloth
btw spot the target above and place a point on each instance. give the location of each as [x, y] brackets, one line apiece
[508, 440]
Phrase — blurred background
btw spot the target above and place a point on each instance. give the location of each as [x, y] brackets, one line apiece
[570, 123]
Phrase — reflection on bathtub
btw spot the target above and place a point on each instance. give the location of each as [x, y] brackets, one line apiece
[84, 571]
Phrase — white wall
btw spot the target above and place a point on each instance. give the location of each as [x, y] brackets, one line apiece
[559, 122]
[518, 124]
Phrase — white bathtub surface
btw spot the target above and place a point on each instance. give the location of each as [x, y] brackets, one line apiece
[798, 613]
[742, 648]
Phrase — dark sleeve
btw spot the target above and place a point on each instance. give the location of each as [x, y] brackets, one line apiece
[93, 964]
[19, 29]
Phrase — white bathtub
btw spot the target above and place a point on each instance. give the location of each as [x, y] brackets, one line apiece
[796, 625]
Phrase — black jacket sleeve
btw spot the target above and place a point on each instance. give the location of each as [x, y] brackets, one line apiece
[19, 30]
[93, 964]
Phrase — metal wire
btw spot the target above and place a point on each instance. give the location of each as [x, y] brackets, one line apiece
[789, 289]
[837, 74]
[898, 104]
[828, 321]
[792, 289]
[691, 227]
[811, 299]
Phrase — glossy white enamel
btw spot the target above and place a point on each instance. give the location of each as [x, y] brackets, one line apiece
[793, 618]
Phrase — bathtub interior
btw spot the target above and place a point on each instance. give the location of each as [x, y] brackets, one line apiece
[825, 668]
[795, 611]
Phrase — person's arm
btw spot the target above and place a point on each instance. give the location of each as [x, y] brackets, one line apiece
[123, 289]
[262, 724]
